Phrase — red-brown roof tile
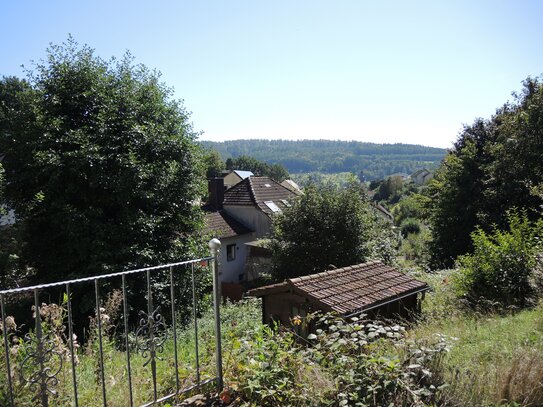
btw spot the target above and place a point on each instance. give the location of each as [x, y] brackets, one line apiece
[223, 225]
[351, 289]
[256, 191]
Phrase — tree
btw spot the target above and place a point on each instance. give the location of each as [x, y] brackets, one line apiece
[456, 199]
[325, 228]
[493, 167]
[213, 163]
[101, 165]
[502, 267]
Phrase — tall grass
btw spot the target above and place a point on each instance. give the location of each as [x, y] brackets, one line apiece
[497, 358]
[242, 316]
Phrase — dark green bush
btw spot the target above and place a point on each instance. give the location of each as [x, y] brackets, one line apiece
[502, 267]
[410, 225]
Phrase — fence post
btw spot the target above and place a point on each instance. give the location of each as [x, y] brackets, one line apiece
[215, 247]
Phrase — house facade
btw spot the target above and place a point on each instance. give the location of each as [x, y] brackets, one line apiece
[255, 200]
[233, 236]
[239, 217]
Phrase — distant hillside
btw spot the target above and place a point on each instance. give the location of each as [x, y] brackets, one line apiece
[376, 161]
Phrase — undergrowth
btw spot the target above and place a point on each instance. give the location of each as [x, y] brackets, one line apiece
[452, 356]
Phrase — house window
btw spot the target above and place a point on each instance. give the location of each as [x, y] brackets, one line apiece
[273, 207]
[231, 252]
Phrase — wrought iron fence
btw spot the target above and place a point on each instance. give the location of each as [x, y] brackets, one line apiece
[38, 369]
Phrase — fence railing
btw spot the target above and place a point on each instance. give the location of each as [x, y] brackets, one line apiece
[39, 367]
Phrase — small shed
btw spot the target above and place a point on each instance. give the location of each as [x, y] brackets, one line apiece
[373, 288]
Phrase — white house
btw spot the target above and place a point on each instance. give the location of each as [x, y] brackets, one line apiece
[255, 200]
[233, 236]
[241, 215]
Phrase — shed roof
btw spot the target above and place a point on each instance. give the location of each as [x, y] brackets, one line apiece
[224, 225]
[351, 289]
[259, 191]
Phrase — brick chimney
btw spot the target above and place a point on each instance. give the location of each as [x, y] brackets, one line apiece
[215, 188]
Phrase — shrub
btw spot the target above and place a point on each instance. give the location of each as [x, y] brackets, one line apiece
[410, 225]
[415, 247]
[502, 267]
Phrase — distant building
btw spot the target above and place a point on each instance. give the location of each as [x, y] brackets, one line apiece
[382, 212]
[235, 176]
[371, 288]
[239, 217]
[255, 200]
[421, 176]
[233, 236]
[293, 186]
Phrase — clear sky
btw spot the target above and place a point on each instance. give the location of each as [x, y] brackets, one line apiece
[378, 71]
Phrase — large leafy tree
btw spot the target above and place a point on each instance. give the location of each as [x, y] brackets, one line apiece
[326, 227]
[492, 168]
[101, 164]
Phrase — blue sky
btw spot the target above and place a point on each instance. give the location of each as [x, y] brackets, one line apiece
[386, 72]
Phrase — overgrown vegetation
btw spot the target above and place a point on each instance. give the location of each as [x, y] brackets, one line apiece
[503, 267]
[454, 356]
[259, 168]
[493, 167]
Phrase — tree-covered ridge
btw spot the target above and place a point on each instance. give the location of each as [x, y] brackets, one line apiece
[375, 161]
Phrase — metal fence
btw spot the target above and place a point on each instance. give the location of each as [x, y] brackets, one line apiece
[39, 369]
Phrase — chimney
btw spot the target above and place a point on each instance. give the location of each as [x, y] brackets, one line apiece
[215, 189]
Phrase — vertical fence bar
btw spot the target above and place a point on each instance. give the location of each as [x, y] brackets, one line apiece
[151, 321]
[40, 351]
[126, 342]
[195, 316]
[71, 333]
[99, 318]
[174, 326]
[215, 247]
[6, 348]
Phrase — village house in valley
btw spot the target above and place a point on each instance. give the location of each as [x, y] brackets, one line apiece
[239, 217]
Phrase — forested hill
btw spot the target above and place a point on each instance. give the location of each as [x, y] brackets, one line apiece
[376, 161]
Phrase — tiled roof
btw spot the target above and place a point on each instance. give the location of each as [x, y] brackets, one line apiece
[257, 191]
[222, 224]
[350, 289]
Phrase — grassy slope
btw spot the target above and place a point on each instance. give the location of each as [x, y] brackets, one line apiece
[496, 358]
